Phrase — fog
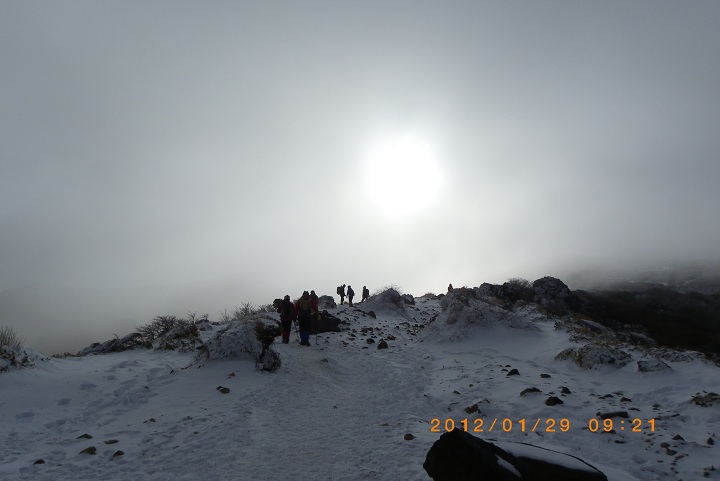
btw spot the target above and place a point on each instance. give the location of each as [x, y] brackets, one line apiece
[165, 157]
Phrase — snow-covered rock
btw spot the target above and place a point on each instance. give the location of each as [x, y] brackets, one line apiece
[592, 356]
[18, 358]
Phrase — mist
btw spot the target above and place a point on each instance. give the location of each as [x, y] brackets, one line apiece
[168, 158]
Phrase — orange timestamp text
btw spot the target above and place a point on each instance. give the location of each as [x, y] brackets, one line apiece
[547, 425]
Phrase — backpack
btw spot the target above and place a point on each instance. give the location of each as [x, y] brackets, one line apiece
[304, 305]
[339, 290]
[287, 309]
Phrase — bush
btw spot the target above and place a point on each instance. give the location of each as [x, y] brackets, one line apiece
[160, 326]
[518, 289]
[245, 310]
[392, 287]
[9, 338]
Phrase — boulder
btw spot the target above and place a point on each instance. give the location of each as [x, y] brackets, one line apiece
[653, 365]
[460, 456]
[551, 293]
[326, 323]
[326, 302]
[591, 356]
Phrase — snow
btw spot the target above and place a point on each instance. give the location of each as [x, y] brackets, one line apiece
[339, 409]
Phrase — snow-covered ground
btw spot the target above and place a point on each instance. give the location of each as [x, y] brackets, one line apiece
[341, 409]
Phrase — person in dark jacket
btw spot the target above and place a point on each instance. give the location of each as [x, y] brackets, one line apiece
[365, 294]
[286, 310]
[304, 312]
[350, 294]
[315, 300]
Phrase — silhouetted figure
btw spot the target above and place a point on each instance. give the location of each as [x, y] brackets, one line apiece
[305, 311]
[286, 310]
[450, 287]
[350, 294]
[315, 300]
[341, 293]
[365, 294]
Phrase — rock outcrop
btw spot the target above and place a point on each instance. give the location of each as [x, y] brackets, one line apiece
[460, 456]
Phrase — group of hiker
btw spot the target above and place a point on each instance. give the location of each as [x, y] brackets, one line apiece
[351, 293]
[305, 309]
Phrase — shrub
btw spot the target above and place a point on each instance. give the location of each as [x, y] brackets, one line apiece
[267, 308]
[9, 338]
[388, 288]
[517, 289]
[245, 310]
[225, 317]
[160, 326]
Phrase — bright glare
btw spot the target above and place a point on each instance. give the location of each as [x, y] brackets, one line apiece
[403, 176]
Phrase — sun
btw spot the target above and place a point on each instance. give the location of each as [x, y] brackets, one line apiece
[403, 176]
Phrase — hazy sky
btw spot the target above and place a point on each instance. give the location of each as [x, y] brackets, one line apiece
[242, 150]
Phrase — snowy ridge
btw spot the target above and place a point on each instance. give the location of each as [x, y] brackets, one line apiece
[342, 409]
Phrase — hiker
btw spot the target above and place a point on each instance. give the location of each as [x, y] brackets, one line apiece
[350, 294]
[341, 293]
[304, 313]
[450, 287]
[286, 309]
[365, 294]
[315, 300]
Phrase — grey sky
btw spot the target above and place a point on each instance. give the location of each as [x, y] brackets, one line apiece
[221, 146]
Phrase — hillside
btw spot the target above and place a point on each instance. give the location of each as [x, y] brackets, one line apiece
[342, 408]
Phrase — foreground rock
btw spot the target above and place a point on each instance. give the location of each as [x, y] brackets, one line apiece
[460, 456]
[326, 323]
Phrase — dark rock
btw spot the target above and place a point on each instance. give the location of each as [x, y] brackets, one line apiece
[551, 293]
[117, 453]
[326, 323]
[513, 372]
[84, 436]
[39, 461]
[408, 299]
[382, 345]
[652, 366]
[89, 450]
[705, 400]
[710, 441]
[529, 391]
[370, 340]
[614, 414]
[545, 376]
[565, 390]
[472, 409]
[553, 401]
[408, 437]
[590, 356]
[677, 437]
[223, 390]
[460, 456]
[326, 302]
